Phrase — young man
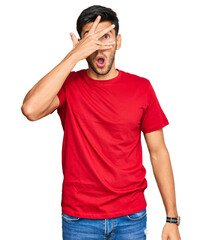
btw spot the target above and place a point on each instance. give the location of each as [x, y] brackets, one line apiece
[103, 111]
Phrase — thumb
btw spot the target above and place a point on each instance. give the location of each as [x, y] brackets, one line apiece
[74, 39]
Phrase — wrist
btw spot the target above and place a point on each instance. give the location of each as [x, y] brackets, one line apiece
[172, 212]
[72, 57]
[173, 220]
[174, 215]
[75, 55]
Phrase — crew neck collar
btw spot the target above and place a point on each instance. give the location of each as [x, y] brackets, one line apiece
[112, 80]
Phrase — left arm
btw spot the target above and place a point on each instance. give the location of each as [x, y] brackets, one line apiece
[163, 173]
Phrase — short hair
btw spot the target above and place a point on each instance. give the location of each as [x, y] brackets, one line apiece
[90, 14]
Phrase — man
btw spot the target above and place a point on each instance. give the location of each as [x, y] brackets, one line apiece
[103, 111]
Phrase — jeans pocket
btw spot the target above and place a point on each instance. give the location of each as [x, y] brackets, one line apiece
[69, 218]
[137, 216]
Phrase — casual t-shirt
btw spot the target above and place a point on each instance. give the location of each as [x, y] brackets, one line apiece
[104, 176]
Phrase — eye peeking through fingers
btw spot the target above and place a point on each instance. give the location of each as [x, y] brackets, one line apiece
[106, 36]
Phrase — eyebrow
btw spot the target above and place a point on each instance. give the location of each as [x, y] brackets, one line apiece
[88, 31]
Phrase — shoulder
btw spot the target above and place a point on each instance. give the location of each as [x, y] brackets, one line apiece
[138, 80]
[78, 74]
[73, 76]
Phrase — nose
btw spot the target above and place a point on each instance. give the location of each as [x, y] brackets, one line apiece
[101, 52]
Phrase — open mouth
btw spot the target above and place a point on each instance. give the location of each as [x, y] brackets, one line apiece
[100, 61]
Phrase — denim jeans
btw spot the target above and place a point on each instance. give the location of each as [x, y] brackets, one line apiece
[127, 227]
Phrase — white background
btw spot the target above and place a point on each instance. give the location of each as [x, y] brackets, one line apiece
[161, 42]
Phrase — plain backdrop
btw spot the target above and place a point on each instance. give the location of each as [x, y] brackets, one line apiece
[161, 41]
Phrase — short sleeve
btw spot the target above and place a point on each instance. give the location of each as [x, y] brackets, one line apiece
[62, 92]
[153, 117]
[61, 95]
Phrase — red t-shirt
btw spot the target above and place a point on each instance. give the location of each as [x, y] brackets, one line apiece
[102, 153]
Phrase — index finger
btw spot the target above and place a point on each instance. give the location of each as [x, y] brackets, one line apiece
[94, 26]
[104, 31]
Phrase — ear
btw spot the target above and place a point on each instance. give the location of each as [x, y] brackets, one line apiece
[118, 40]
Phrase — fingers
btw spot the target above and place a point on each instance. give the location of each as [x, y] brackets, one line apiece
[103, 46]
[94, 26]
[74, 39]
[106, 43]
[102, 32]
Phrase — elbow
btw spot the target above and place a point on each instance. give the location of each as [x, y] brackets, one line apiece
[28, 112]
[162, 153]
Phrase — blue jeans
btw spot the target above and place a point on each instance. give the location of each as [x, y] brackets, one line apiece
[128, 227]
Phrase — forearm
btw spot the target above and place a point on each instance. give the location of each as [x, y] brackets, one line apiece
[44, 91]
[164, 177]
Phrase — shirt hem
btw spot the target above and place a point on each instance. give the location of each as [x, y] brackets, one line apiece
[104, 215]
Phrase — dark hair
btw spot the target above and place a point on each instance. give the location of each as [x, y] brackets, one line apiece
[90, 14]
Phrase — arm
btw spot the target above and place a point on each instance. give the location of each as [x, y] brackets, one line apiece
[42, 98]
[163, 173]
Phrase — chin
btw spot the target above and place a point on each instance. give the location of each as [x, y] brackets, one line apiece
[100, 71]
